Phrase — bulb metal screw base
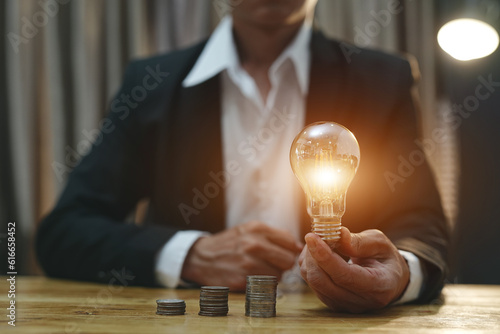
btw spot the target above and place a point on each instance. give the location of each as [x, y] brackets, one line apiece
[327, 228]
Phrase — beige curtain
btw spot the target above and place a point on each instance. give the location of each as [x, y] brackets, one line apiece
[62, 60]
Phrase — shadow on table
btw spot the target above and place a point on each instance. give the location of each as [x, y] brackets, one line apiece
[398, 316]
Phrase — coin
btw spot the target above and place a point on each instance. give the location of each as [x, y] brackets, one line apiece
[214, 301]
[170, 307]
[260, 299]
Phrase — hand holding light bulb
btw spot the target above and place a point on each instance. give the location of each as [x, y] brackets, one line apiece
[325, 157]
[376, 276]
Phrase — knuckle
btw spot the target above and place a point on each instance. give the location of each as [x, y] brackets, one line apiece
[252, 224]
[251, 245]
[260, 227]
[378, 235]
[255, 225]
[378, 238]
[376, 232]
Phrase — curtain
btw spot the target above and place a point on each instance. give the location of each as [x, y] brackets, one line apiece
[62, 60]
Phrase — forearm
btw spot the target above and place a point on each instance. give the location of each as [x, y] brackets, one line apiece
[92, 247]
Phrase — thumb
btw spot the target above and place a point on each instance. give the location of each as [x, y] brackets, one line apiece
[365, 244]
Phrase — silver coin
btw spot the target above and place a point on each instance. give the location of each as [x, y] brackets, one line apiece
[215, 292]
[170, 313]
[262, 277]
[260, 299]
[169, 301]
[170, 308]
[215, 288]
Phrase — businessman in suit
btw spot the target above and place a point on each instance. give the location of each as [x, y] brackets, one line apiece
[204, 135]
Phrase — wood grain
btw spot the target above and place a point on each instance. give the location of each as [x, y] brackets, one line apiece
[45, 305]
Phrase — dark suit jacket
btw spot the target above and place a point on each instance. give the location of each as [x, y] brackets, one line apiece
[163, 143]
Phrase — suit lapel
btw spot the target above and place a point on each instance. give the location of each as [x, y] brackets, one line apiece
[194, 154]
[325, 100]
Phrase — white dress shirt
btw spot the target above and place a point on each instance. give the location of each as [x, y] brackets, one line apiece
[257, 133]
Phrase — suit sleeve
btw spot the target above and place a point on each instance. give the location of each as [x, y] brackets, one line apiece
[86, 237]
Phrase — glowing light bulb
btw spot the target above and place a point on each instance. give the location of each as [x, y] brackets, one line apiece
[324, 157]
[466, 39]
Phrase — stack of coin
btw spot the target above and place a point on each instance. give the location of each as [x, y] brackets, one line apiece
[213, 301]
[170, 306]
[260, 298]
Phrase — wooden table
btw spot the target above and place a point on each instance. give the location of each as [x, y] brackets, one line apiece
[46, 305]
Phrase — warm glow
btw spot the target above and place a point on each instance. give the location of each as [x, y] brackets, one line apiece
[325, 157]
[466, 39]
[328, 177]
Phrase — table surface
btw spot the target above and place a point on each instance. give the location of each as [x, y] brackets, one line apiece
[45, 305]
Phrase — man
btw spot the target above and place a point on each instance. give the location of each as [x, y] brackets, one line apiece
[208, 146]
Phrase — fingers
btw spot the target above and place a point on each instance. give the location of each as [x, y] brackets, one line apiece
[279, 237]
[275, 247]
[248, 249]
[233, 275]
[333, 295]
[369, 243]
[255, 266]
[340, 272]
[268, 252]
[374, 279]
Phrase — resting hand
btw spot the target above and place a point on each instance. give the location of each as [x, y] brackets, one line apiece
[226, 258]
[377, 276]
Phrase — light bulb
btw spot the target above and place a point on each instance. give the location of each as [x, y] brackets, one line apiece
[324, 158]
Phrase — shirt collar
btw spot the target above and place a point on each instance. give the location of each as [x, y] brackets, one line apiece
[220, 54]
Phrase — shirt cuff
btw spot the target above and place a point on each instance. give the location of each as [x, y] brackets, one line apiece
[416, 278]
[171, 257]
